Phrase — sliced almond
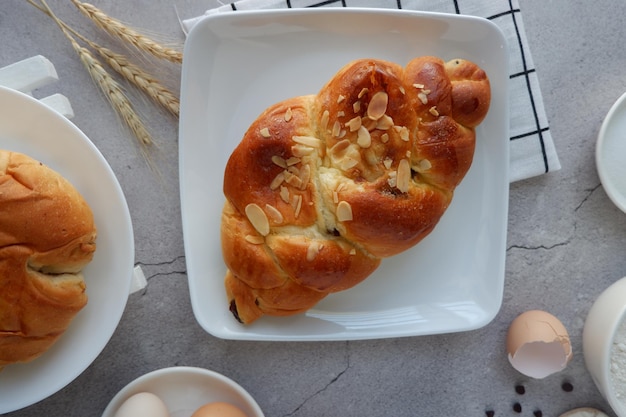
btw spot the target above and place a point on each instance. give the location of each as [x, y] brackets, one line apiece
[354, 124]
[341, 98]
[313, 250]
[288, 114]
[420, 86]
[265, 132]
[339, 148]
[301, 150]
[280, 161]
[422, 97]
[258, 219]
[305, 176]
[284, 194]
[274, 213]
[369, 124]
[347, 163]
[424, 165]
[433, 110]
[403, 177]
[255, 239]
[364, 139]
[363, 92]
[336, 128]
[384, 123]
[378, 105]
[387, 162]
[277, 181]
[324, 120]
[344, 211]
[293, 179]
[384, 138]
[297, 205]
[292, 161]
[403, 131]
[356, 106]
[307, 141]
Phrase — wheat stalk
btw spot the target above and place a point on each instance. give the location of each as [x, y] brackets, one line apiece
[119, 29]
[114, 93]
[107, 84]
[131, 72]
[139, 78]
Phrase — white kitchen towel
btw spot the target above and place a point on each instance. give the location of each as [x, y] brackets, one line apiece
[532, 150]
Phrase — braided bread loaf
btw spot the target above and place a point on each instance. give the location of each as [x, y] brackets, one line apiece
[323, 186]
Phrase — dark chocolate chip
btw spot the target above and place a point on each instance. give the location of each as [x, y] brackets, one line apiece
[520, 389]
[567, 387]
[517, 407]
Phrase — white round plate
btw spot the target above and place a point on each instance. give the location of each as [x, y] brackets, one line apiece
[30, 127]
[611, 153]
[185, 389]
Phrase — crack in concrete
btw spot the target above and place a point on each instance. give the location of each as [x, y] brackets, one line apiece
[164, 263]
[325, 387]
[587, 197]
[544, 247]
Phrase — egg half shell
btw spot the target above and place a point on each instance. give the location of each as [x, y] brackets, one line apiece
[538, 344]
[218, 409]
[143, 404]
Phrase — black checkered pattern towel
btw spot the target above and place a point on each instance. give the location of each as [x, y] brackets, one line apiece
[532, 150]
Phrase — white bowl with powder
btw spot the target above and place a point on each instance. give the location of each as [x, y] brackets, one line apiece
[611, 153]
[604, 345]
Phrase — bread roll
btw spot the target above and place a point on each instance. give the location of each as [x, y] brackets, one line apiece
[47, 235]
[322, 187]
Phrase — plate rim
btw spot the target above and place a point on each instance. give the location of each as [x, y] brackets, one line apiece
[618, 106]
[134, 386]
[247, 334]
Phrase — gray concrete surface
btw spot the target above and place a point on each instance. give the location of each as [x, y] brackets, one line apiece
[566, 244]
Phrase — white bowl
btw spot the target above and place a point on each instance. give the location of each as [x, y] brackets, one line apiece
[611, 151]
[184, 389]
[603, 321]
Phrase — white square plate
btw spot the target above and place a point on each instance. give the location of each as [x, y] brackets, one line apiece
[237, 64]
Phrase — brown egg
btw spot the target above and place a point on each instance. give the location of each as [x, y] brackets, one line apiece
[218, 409]
[538, 344]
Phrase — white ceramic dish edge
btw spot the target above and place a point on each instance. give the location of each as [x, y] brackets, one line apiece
[603, 318]
[203, 386]
[611, 151]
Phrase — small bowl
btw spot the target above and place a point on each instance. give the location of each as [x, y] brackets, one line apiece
[185, 389]
[611, 151]
[602, 323]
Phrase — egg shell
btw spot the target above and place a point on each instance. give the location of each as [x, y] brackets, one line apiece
[538, 344]
[218, 409]
[143, 404]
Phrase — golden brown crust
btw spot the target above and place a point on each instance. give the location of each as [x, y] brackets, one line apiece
[323, 186]
[47, 235]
